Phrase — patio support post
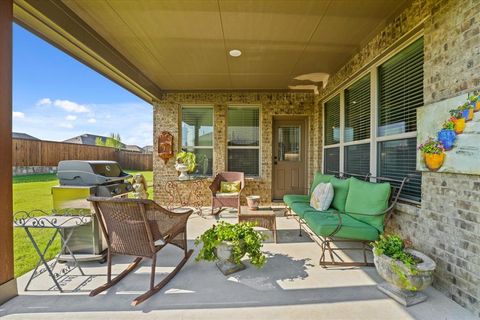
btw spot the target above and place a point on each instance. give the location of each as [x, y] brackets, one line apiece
[8, 287]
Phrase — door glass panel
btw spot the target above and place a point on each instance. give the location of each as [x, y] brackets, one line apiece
[289, 143]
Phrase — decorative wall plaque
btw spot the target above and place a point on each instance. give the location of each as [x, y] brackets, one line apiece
[165, 146]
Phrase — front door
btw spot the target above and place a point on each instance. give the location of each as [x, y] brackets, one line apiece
[289, 157]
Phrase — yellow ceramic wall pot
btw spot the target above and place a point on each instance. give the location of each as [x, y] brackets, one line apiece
[459, 125]
[477, 106]
[434, 161]
[470, 114]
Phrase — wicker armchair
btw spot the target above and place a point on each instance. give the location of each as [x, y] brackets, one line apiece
[229, 200]
[139, 228]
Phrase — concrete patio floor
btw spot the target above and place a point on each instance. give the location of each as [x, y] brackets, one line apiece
[290, 286]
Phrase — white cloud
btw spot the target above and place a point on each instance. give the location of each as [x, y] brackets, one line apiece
[66, 125]
[44, 102]
[71, 117]
[92, 120]
[71, 106]
[18, 115]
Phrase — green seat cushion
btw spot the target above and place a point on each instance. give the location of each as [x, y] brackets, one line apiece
[319, 178]
[289, 199]
[340, 192]
[325, 222]
[301, 208]
[366, 200]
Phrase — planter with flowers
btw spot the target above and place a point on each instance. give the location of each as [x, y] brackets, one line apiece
[459, 121]
[474, 102]
[467, 111]
[433, 154]
[447, 135]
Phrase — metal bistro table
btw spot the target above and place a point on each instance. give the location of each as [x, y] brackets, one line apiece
[64, 226]
[191, 190]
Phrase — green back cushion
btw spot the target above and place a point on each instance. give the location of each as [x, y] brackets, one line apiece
[319, 178]
[340, 192]
[368, 199]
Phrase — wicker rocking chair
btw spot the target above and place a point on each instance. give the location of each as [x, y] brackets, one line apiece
[139, 228]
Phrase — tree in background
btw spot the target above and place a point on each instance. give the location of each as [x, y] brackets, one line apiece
[114, 141]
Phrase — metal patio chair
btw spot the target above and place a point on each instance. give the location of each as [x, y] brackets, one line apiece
[139, 228]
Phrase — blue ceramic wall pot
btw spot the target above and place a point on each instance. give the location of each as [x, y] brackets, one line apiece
[447, 137]
[465, 114]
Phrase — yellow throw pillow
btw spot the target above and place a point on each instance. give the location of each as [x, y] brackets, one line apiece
[229, 187]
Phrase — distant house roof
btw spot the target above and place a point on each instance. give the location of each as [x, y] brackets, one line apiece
[148, 149]
[88, 139]
[21, 135]
[133, 147]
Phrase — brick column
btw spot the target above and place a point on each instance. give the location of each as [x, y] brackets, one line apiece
[8, 287]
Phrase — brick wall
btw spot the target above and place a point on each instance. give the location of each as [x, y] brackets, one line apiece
[166, 117]
[447, 224]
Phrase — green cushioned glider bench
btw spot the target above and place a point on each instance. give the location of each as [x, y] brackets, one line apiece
[357, 213]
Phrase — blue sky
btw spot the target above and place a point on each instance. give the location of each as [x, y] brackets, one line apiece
[55, 97]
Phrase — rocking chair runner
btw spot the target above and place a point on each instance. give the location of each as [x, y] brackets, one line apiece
[139, 228]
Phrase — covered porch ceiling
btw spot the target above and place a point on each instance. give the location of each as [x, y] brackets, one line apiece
[154, 46]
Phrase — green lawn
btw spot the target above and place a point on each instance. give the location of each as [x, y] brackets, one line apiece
[33, 192]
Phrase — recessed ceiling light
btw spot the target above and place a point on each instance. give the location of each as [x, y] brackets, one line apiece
[235, 53]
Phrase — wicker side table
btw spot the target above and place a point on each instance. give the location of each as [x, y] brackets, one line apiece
[262, 218]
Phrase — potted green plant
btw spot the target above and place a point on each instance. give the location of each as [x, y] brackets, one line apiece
[447, 135]
[185, 163]
[433, 154]
[228, 243]
[458, 119]
[473, 98]
[467, 111]
[406, 271]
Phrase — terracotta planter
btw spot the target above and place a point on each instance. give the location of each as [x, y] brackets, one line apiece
[401, 283]
[253, 202]
[459, 125]
[434, 161]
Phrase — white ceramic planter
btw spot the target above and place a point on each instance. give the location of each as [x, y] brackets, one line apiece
[183, 169]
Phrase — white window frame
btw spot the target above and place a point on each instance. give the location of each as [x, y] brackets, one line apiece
[248, 106]
[199, 106]
[374, 138]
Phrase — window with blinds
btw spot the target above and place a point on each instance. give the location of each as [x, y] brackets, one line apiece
[357, 110]
[197, 136]
[357, 159]
[331, 160]
[243, 131]
[332, 121]
[400, 90]
[399, 81]
[397, 159]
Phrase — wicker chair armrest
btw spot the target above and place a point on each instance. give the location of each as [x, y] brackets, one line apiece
[167, 220]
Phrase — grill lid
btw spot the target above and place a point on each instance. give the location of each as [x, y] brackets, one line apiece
[88, 173]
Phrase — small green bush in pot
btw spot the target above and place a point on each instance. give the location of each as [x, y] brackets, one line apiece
[405, 270]
[229, 243]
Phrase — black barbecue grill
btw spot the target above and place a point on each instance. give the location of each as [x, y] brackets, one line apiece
[107, 176]
[78, 181]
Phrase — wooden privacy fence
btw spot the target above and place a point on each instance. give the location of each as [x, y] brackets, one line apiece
[49, 153]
